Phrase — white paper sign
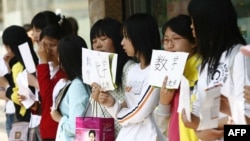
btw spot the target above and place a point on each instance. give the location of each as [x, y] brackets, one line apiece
[167, 63]
[27, 57]
[210, 108]
[99, 67]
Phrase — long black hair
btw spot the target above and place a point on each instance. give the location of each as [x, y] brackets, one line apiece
[15, 35]
[44, 18]
[70, 55]
[142, 30]
[216, 29]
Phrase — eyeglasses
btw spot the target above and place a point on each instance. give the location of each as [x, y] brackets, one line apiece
[174, 40]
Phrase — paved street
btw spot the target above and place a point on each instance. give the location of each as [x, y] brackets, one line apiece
[3, 135]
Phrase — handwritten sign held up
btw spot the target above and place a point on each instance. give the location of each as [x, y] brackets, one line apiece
[99, 67]
[165, 63]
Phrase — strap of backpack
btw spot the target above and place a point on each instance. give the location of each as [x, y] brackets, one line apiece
[61, 95]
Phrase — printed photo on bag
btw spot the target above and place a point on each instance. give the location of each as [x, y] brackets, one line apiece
[87, 134]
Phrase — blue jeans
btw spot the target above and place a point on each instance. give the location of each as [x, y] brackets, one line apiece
[10, 118]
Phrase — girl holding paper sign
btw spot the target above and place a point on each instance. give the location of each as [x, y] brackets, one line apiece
[135, 113]
[105, 36]
[13, 36]
[177, 36]
[218, 42]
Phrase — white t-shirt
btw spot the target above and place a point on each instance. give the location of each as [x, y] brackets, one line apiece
[137, 119]
[232, 74]
[9, 107]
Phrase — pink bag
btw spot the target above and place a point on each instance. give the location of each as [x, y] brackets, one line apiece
[87, 128]
[94, 128]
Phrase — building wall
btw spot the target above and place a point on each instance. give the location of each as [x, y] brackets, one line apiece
[99, 9]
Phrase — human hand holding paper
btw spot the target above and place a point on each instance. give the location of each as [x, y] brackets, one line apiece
[210, 108]
[166, 95]
[224, 105]
[24, 90]
[210, 134]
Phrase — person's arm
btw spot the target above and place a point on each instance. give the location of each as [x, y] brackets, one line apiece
[43, 77]
[32, 80]
[46, 84]
[247, 103]
[103, 97]
[193, 124]
[210, 134]
[239, 80]
[166, 96]
[149, 98]
[204, 135]
[248, 120]
[214, 134]
[12, 90]
[247, 110]
[162, 111]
